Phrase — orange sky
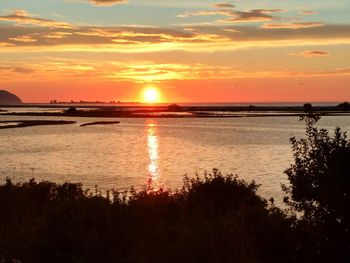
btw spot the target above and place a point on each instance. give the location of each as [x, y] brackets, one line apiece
[236, 52]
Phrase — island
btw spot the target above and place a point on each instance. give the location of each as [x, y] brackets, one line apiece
[29, 123]
[99, 123]
[8, 98]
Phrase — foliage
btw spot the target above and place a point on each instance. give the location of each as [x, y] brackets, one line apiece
[344, 106]
[175, 107]
[71, 110]
[307, 107]
[211, 219]
[320, 190]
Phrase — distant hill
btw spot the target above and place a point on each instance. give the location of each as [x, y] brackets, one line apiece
[8, 98]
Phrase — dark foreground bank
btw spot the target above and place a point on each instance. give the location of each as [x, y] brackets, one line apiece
[214, 218]
[218, 219]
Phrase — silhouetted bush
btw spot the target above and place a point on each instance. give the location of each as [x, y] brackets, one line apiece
[71, 110]
[174, 107]
[307, 107]
[320, 190]
[344, 106]
[251, 107]
[212, 219]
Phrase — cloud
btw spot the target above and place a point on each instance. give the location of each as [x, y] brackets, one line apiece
[144, 71]
[127, 36]
[142, 38]
[20, 13]
[332, 72]
[16, 69]
[310, 53]
[292, 25]
[22, 17]
[57, 35]
[224, 5]
[254, 15]
[25, 39]
[106, 2]
[137, 71]
[5, 44]
[308, 12]
[206, 13]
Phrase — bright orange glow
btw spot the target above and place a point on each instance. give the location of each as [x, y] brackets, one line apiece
[151, 95]
[153, 155]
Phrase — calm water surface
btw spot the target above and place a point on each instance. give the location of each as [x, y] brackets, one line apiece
[157, 151]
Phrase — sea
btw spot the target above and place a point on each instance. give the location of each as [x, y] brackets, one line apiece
[154, 152]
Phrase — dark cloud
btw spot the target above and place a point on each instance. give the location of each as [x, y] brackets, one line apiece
[255, 15]
[310, 53]
[251, 33]
[316, 53]
[235, 16]
[224, 5]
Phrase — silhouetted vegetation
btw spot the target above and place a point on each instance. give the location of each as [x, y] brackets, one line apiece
[345, 106]
[174, 107]
[251, 108]
[71, 111]
[320, 190]
[307, 107]
[212, 219]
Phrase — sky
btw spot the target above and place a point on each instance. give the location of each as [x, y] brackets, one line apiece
[191, 51]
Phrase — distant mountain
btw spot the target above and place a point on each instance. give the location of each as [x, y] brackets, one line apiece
[8, 98]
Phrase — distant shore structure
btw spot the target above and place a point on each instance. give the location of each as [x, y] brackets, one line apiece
[8, 98]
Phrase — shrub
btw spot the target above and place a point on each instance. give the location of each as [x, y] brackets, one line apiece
[212, 219]
[71, 110]
[320, 190]
[307, 107]
[344, 106]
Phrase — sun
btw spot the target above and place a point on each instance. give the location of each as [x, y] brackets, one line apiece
[151, 95]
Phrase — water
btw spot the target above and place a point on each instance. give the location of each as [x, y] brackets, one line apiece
[157, 151]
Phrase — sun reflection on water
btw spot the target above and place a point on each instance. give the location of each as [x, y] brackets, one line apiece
[153, 155]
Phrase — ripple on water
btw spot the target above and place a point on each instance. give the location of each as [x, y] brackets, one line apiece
[162, 151]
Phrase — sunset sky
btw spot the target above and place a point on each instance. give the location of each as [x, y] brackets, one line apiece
[192, 51]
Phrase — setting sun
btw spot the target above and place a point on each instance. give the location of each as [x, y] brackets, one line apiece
[151, 95]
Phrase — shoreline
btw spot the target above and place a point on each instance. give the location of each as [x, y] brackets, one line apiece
[162, 114]
[177, 111]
